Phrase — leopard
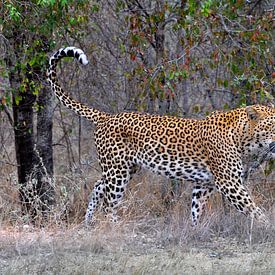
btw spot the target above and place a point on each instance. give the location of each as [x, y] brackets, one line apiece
[211, 152]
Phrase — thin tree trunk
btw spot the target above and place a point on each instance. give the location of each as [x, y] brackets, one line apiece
[44, 148]
[24, 143]
[155, 102]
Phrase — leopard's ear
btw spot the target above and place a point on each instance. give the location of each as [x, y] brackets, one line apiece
[252, 113]
[271, 105]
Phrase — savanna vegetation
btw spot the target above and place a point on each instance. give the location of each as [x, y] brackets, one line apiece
[183, 58]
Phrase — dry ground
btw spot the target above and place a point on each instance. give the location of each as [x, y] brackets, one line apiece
[130, 248]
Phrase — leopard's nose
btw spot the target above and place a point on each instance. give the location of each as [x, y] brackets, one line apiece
[272, 147]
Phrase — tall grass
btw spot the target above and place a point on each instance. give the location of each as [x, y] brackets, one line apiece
[152, 206]
[153, 235]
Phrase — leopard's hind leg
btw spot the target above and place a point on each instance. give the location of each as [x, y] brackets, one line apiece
[200, 195]
[115, 188]
[110, 189]
[96, 196]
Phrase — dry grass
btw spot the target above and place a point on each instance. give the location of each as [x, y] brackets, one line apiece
[153, 236]
[129, 247]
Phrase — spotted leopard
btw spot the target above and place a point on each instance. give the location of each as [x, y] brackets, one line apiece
[209, 152]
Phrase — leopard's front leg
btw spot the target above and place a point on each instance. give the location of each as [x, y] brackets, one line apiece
[228, 180]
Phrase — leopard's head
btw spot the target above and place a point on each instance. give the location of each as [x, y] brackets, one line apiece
[261, 130]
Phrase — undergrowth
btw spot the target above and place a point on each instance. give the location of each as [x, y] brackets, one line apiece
[153, 207]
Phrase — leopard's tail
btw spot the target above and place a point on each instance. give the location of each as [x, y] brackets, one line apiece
[79, 108]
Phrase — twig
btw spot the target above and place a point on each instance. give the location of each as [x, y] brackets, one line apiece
[250, 233]
[160, 66]
[254, 6]
[9, 163]
[8, 113]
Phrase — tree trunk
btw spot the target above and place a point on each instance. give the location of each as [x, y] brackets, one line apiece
[44, 148]
[161, 103]
[35, 162]
[24, 144]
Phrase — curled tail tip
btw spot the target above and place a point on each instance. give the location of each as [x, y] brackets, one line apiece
[76, 53]
[84, 59]
[70, 52]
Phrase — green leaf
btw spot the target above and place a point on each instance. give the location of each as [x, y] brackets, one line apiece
[95, 8]
[17, 99]
[13, 12]
[170, 86]
[205, 7]
[64, 3]
[171, 75]
[235, 68]
[225, 83]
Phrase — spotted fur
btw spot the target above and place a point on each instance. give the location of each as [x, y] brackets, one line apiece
[211, 152]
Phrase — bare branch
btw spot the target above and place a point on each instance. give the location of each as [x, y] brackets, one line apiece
[7, 112]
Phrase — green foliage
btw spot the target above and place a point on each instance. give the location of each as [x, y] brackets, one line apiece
[13, 13]
[206, 7]
[232, 37]
[32, 29]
